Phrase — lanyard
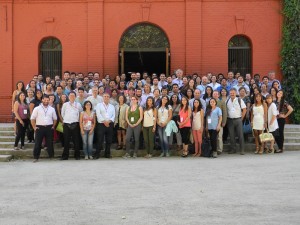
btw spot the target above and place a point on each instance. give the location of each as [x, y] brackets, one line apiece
[105, 107]
[45, 111]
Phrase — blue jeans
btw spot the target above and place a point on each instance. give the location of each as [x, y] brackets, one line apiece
[163, 139]
[87, 142]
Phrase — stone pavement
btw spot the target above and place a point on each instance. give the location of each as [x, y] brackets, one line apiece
[232, 189]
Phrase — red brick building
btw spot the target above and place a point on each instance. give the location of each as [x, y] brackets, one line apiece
[112, 36]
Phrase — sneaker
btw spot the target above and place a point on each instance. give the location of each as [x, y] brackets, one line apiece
[86, 157]
[16, 148]
[168, 154]
[134, 155]
[126, 156]
[162, 155]
[149, 156]
[91, 157]
[214, 155]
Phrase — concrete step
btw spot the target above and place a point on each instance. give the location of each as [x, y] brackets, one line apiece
[5, 158]
[7, 133]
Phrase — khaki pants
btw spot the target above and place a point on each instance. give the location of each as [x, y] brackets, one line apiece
[220, 140]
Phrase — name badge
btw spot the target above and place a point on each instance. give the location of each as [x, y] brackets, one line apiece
[106, 115]
[131, 119]
[181, 119]
[25, 111]
[209, 120]
[89, 123]
[163, 119]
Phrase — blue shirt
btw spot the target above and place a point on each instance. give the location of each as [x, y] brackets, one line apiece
[213, 118]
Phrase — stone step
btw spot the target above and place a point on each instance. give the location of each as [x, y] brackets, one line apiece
[7, 133]
[5, 158]
[6, 126]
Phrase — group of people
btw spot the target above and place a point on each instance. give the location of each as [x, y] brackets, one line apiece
[148, 110]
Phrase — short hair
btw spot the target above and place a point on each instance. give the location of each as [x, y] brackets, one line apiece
[86, 102]
[72, 92]
[233, 89]
[45, 96]
[81, 89]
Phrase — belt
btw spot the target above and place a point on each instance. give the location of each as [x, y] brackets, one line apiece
[71, 123]
[234, 118]
[45, 125]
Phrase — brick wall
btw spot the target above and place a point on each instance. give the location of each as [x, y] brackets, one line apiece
[90, 31]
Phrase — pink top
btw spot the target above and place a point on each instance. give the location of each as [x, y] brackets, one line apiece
[88, 121]
[183, 115]
[23, 111]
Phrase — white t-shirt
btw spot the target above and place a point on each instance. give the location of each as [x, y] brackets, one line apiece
[272, 110]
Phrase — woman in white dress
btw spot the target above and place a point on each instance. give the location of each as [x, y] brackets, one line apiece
[259, 121]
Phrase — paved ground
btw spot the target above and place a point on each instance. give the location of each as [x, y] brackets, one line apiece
[229, 190]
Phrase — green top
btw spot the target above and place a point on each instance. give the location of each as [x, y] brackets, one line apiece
[133, 116]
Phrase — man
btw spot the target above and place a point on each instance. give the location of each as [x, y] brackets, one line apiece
[221, 104]
[35, 78]
[272, 79]
[203, 85]
[175, 91]
[223, 85]
[169, 83]
[105, 118]
[145, 75]
[248, 79]
[138, 94]
[178, 80]
[155, 85]
[43, 121]
[95, 99]
[40, 83]
[265, 80]
[197, 95]
[230, 80]
[240, 84]
[90, 76]
[236, 110]
[214, 84]
[80, 97]
[257, 79]
[86, 84]
[70, 113]
[112, 85]
[66, 75]
[162, 81]
[133, 79]
[79, 85]
[58, 93]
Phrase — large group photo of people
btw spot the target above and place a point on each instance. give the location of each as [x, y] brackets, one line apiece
[192, 114]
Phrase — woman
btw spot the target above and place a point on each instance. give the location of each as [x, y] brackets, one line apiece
[185, 124]
[122, 88]
[134, 117]
[175, 104]
[276, 85]
[259, 121]
[114, 97]
[21, 111]
[213, 124]
[49, 89]
[36, 101]
[32, 86]
[87, 124]
[208, 94]
[198, 81]
[140, 85]
[273, 92]
[164, 115]
[220, 77]
[224, 94]
[19, 88]
[256, 90]
[120, 121]
[149, 126]
[284, 110]
[156, 96]
[192, 85]
[189, 93]
[63, 99]
[30, 131]
[69, 86]
[264, 90]
[272, 121]
[197, 126]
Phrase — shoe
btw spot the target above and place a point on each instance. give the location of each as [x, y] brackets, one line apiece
[134, 155]
[184, 155]
[256, 150]
[96, 157]
[86, 157]
[29, 141]
[108, 156]
[16, 148]
[219, 152]
[162, 155]
[261, 150]
[215, 155]
[35, 161]
[279, 151]
[146, 156]
[91, 157]
[242, 153]
[231, 152]
[119, 147]
[22, 147]
[126, 156]
[77, 158]
[168, 154]
[149, 156]
[63, 158]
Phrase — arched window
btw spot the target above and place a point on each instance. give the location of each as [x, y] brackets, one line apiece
[50, 57]
[239, 55]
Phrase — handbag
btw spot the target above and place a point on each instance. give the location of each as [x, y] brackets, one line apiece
[247, 129]
[265, 137]
[59, 127]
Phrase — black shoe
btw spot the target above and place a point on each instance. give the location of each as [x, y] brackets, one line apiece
[77, 158]
[219, 152]
[63, 158]
[108, 156]
[96, 156]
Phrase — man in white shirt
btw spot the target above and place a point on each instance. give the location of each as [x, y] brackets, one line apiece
[43, 120]
[162, 81]
[178, 80]
[236, 110]
[70, 113]
[105, 124]
[95, 98]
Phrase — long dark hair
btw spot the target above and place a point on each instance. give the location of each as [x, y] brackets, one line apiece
[197, 109]
[23, 87]
[261, 97]
[282, 100]
[147, 106]
[18, 97]
[187, 103]
[208, 108]
[35, 95]
[61, 102]
[167, 104]
[205, 96]
[171, 101]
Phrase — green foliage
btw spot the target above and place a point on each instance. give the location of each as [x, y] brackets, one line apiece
[290, 53]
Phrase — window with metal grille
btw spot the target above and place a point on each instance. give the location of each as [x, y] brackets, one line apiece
[240, 55]
[50, 57]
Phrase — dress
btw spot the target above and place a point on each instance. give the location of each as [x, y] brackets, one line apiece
[258, 117]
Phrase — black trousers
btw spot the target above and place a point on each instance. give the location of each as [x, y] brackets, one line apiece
[104, 133]
[280, 138]
[213, 134]
[21, 131]
[74, 133]
[40, 133]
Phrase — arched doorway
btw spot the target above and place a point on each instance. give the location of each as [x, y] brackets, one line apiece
[144, 47]
[50, 57]
[240, 55]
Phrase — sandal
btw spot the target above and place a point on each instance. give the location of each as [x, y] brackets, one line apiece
[257, 150]
[261, 150]
[266, 149]
[119, 147]
[271, 151]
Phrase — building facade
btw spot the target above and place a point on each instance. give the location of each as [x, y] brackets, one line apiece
[114, 36]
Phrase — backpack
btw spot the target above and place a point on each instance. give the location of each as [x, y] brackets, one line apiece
[239, 100]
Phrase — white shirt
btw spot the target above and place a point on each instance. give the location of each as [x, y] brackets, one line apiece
[214, 86]
[44, 116]
[234, 109]
[178, 81]
[95, 101]
[105, 112]
[70, 112]
[272, 110]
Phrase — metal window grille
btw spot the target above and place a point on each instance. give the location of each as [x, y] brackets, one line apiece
[239, 55]
[51, 57]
